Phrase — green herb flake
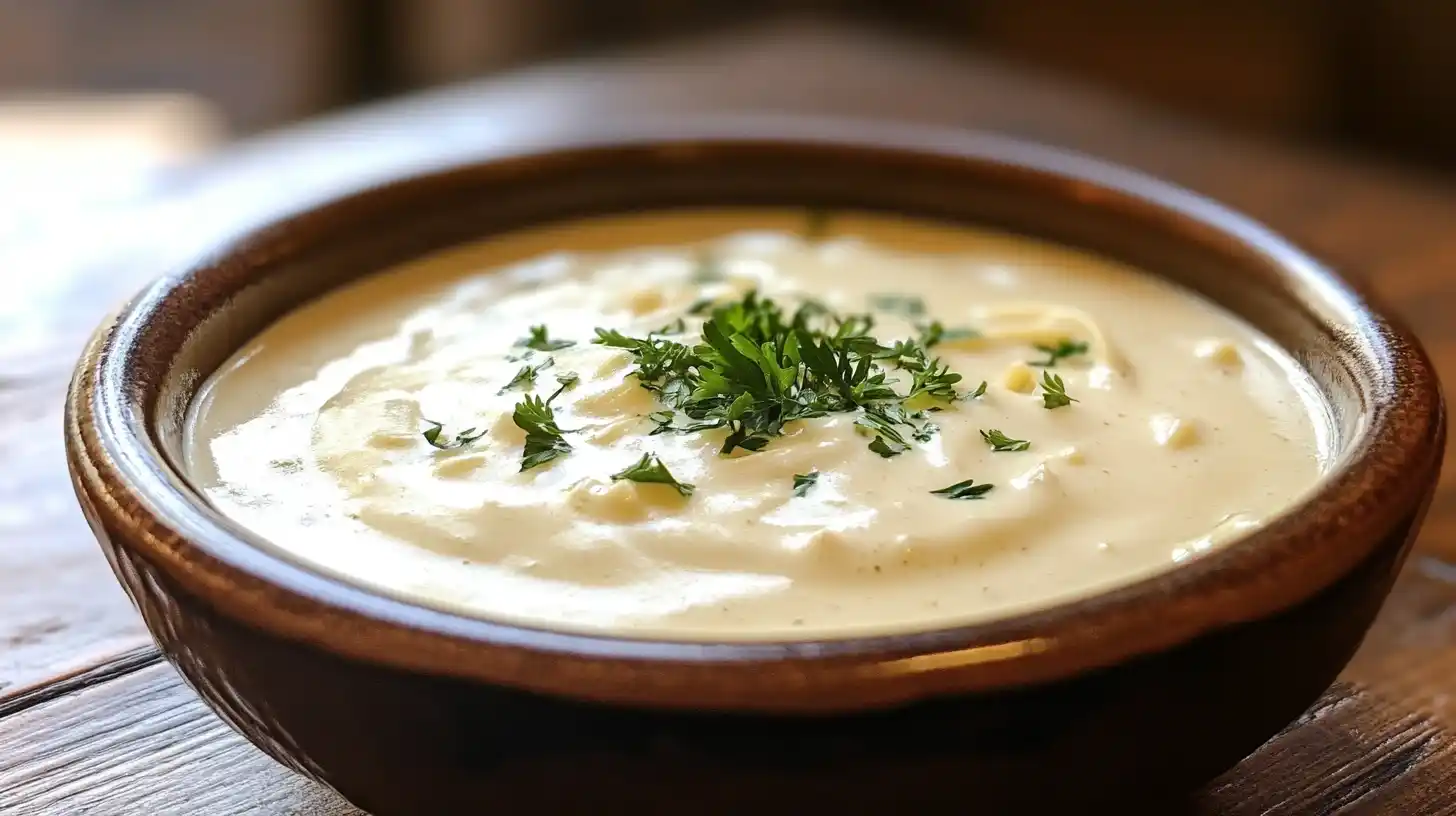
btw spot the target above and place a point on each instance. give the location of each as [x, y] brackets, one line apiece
[436, 437]
[964, 490]
[565, 381]
[935, 380]
[1054, 392]
[979, 392]
[650, 470]
[804, 481]
[525, 378]
[925, 432]
[1061, 351]
[905, 305]
[884, 422]
[935, 332]
[544, 440]
[1002, 443]
[540, 340]
[888, 447]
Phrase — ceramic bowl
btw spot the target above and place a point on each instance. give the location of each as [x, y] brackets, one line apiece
[1130, 696]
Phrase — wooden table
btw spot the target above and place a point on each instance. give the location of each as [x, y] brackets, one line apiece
[92, 721]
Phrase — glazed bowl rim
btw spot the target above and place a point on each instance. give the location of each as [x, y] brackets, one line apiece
[113, 458]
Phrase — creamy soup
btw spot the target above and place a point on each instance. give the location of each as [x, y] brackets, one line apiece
[753, 425]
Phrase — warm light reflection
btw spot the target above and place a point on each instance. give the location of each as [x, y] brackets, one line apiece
[964, 657]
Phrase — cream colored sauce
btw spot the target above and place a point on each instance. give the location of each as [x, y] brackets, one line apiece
[1190, 428]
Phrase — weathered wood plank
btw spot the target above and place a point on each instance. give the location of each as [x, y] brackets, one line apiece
[1352, 753]
[143, 744]
[119, 666]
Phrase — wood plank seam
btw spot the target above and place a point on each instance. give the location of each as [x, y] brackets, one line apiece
[95, 675]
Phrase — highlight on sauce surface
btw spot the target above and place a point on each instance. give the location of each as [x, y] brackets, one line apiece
[755, 425]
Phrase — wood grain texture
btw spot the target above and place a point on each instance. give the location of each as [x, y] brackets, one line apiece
[143, 744]
[61, 612]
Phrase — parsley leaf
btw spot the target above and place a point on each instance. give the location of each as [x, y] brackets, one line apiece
[964, 490]
[979, 392]
[804, 481]
[1062, 350]
[565, 380]
[1054, 393]
[935, 380]
[935, 332]
[1000, 442]
[888, 447]
[650, 470]
[437, 439]
[540, 340]
[882, 421]
[544, 440]
[525, 379]
[929, 376]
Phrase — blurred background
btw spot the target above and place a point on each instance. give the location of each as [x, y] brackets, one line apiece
[100, 99]
[1373, 76]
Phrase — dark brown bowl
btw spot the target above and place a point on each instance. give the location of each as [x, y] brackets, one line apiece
[1126, 697]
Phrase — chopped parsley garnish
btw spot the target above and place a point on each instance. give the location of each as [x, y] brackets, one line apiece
[537, 451]
[882, 421]
[650, 470]
[758, 368]
[540, 340]
[964, 490]
[1061, 351]
[1000, 442]
[934, 380]
[565, 380]
[544, 440]
[753, 369]
[926, 431]
[1054, 393]
[905, 305]
[435, 436]
[804, 481]
[888, 448]
[525, 379]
